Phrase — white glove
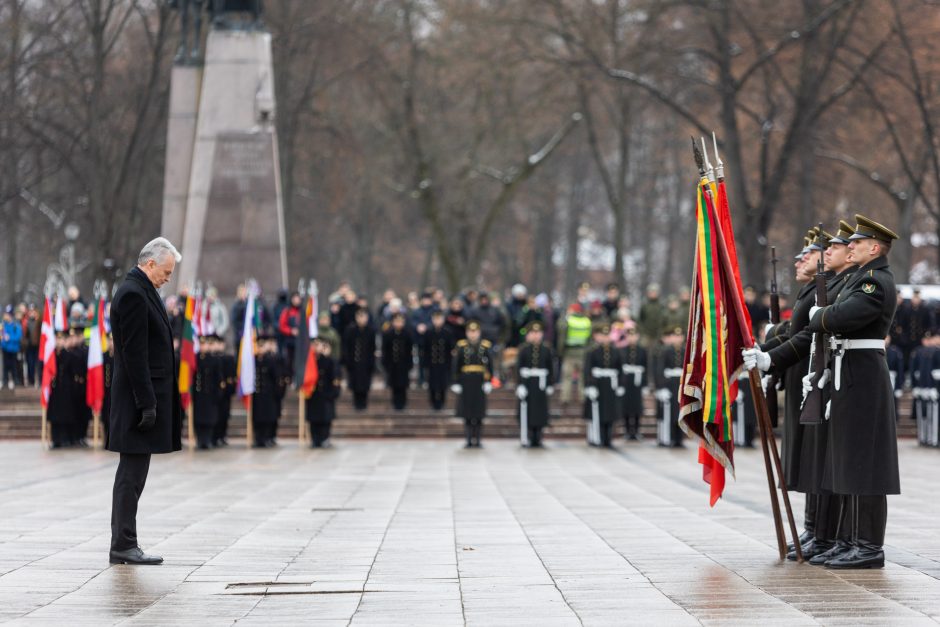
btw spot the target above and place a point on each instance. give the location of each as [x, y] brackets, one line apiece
[663, 395]
[756, 358]
[549, 390]
[487, 387]
[456, 388]
[621, 391]
[828, 404]
[768, 329]
[646, 390]
[591, 393]
[935, 374]
[897, 393]
[813, 310]
[808, 383]
[764, 382]
[521, 392]
[824, 379]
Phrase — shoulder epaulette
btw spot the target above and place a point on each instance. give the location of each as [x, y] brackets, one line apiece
[486, 343]
[462, 342]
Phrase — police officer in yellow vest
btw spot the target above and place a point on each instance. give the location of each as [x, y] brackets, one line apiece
[574, 335]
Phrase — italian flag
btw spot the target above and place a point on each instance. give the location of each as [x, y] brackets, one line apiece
[94, 385]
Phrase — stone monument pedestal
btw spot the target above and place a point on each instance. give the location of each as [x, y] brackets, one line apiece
[231, 227]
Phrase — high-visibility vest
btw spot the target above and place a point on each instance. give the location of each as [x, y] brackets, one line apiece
[579, 330]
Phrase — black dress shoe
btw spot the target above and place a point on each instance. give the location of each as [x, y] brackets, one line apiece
[805, 537]
[135, 556]
[812, 548]
[861, 556]
[838, 549]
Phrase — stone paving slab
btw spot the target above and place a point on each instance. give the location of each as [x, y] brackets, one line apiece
[419, 532]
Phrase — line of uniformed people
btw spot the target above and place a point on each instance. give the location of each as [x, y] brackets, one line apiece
[67, 411]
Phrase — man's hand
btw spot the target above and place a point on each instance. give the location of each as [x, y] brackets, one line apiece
[148, 419]
[521, 392]
[756, 358]
[456, 388]
[591, 393]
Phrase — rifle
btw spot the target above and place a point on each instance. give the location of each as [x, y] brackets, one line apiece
[814, 405]
[771, 392]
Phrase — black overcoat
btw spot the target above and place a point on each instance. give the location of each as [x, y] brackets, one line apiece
[359, 356]
[61, 408]
[207, 390]
[472, 368]
[321, 405]
[535, 370]
[145, 370]
[862, 433]
[436, 348]
[634, 379]
[397, 357]
[603, 370]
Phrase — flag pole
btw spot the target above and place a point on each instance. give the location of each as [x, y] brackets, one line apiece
[249, 428]
[302, 419]
[44, 429]
[190, 426]
[96, 430]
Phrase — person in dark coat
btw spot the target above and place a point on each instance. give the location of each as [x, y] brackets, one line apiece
[437, 346]
[473, 370]
[862, 431]
[603, 389]
[82, 415]
[634, 380]
[229, 368]
[206, 391]
[534, 377]
[269, 390]
[321, 405]
[923, 386]
[397, 359]
[895, 359]
[359, 358]
[667, 373]
[107, 363]
[60, 410]
[146, 415]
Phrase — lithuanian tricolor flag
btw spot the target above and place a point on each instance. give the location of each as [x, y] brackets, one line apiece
[187, 354]
[715, 338]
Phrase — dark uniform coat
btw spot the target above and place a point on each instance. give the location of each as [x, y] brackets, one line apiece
[791, 361]
[535, 371]
[397, 358]
[321, 405]
[472, 368]
[603, 369]
[61, 409]
[668, 365]
[145, 370]
[269, 389]
[107, 363]
[207, 389]
[863, 439]
[359, 356]
[436, 348]
[634, 379]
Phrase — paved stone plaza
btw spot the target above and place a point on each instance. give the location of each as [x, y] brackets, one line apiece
[409, 532]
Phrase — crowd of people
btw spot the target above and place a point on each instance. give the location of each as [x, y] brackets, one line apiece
[425, 340]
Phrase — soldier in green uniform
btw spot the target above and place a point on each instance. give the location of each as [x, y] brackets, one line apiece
[534, 377]
[473, 369]
[862, 438]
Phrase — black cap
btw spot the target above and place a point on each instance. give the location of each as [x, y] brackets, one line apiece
[535, 325]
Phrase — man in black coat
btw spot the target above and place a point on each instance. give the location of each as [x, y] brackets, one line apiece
[535, 374]
[206, 392]
[146, 415]
[321, 405]
[473, 370]
[359, 357]
[437, 344]
[634, 380]
[603, 389]
[397, 359]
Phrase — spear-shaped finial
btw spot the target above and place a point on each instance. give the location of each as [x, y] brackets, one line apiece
[720, 169]
[302, 288]
[697, 154]
[708, 166]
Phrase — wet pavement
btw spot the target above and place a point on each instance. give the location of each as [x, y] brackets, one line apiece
[407, 532]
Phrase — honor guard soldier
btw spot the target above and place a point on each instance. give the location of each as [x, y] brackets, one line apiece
[321, 404]
[437, 345]
[359, 357]
[473, 369]
[634, 380]
[268, 389]
[603, 389]
[743, 414]
[668, 375]
[397, 359]
[82, 412]
[229, 367]
[206, 392]
[924, 364]
[60, 410]
[863, 462]
[789, 357]
[107, 362]
[895, 360]
[534, 376]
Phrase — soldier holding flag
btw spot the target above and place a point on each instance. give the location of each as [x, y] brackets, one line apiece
[534, 376]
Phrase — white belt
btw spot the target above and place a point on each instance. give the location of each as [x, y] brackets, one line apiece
[532, 373]
[636, 371]
[840, 345]
[672, 373]
[611, 373]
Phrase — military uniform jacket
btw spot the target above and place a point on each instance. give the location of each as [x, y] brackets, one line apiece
[668, 374]
[207, 389]
[437, 346]
[534, 370]
[814, 454]
[634, 379]
[863, 440]
[472, 368]
[359, 356]
[61, 409]
[269, 389]
[397, 358]
[603, 369]
[321, 405]
[791, 362]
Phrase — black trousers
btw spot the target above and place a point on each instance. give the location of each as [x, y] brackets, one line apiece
[809, 512]
[827, 516]
[399, 398]
[204, 435]
[360, 399]
[437, 397]
[632, 424]
[535, 436]
[474, 431]
[220, 431]
[863, 520]
[61, 433]
[129, 483]
[320, 432]
[607, 433]
[264, 432]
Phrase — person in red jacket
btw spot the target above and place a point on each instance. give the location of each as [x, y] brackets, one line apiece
[288, 327]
